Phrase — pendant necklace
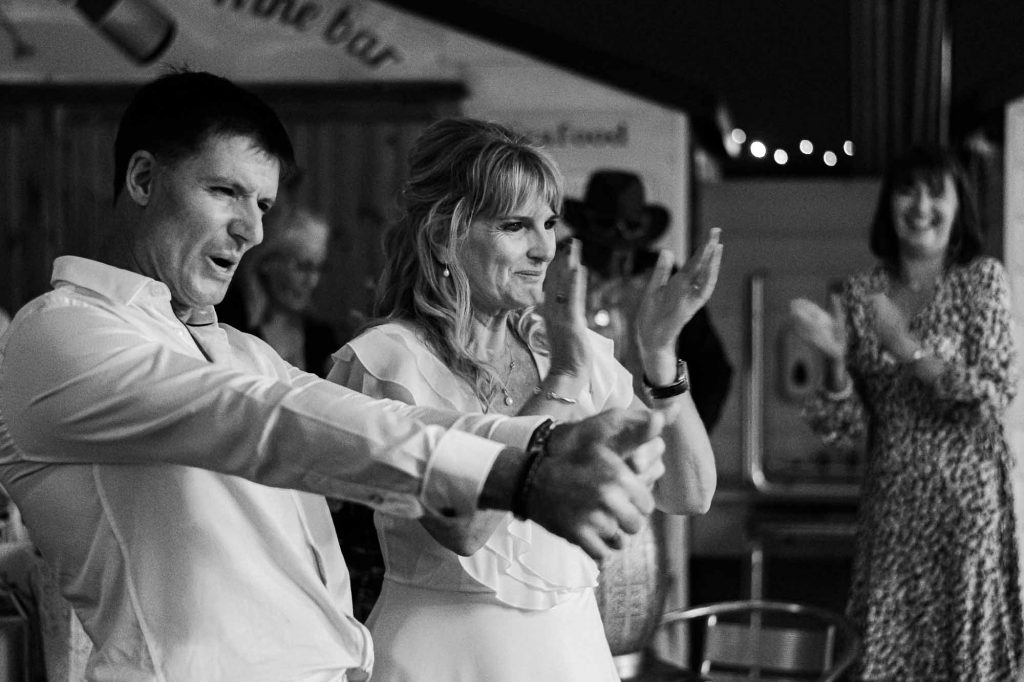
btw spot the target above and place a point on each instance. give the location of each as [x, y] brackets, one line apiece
[504, 384]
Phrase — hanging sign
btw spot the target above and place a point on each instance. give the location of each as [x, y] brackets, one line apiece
[249, 40]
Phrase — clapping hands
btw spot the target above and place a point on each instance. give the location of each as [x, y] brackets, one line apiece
[824, 331]
[670, 301]
[827, 332]
[565, 311]
[890, 324]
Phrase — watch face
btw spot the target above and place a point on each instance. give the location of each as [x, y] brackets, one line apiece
[683, 376]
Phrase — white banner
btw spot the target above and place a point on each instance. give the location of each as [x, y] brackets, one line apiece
[249, 40]
[584, 140]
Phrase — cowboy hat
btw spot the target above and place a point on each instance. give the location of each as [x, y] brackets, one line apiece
[613, 213]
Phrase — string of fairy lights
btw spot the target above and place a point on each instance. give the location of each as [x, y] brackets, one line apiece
[738, 143]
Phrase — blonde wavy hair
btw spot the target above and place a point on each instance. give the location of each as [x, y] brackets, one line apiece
[460, 169]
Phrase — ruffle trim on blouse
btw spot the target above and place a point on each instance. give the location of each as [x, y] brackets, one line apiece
[524, 565]
[529, 568]
[431, 385]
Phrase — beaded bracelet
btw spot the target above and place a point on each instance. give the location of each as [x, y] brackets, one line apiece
[535, 451]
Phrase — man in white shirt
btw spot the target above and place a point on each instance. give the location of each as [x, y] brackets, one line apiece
[172, 470]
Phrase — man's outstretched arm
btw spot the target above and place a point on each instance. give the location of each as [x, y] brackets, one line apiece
[108, 393]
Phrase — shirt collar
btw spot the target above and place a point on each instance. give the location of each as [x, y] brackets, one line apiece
[120, 285]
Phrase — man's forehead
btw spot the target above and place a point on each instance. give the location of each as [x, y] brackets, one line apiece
[235, 153]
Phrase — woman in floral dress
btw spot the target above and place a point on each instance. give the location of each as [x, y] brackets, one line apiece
[920, 354]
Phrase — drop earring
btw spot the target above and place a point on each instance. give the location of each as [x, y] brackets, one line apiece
[446, 272]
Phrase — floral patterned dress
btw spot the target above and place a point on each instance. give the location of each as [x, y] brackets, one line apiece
[935, 591]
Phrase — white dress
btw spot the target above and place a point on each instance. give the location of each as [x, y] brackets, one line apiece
[522, 608]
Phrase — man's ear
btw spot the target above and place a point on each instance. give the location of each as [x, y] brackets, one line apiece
[139, 176]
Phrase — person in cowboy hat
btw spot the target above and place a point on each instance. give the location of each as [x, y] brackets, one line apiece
[617, 228]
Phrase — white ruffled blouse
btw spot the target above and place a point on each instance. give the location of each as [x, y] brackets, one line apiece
[521, 564]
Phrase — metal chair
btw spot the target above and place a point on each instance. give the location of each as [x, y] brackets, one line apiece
[770, 640]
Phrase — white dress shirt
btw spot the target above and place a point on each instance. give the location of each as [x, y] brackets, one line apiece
[157, 467]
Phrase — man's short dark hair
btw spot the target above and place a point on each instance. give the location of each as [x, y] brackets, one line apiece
[929, 164]
[174, 115]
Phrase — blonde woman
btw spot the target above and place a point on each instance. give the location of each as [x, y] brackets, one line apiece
[494, 597]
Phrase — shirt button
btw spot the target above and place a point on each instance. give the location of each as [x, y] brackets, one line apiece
[155, 289]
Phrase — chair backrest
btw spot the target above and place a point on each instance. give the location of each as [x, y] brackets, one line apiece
[771, 640]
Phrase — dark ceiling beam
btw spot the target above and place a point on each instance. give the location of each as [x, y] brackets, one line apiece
[529, 35]
[900, 80]
[988, 63]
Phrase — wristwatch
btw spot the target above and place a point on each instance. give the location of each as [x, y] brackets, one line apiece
[678, 387]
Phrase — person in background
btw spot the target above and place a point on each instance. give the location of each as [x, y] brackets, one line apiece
[496, 597]
[272, 295]
[618, 229]
[172, 471]
[920, 354]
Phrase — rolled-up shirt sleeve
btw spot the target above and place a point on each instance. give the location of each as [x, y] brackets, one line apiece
[83, 383]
